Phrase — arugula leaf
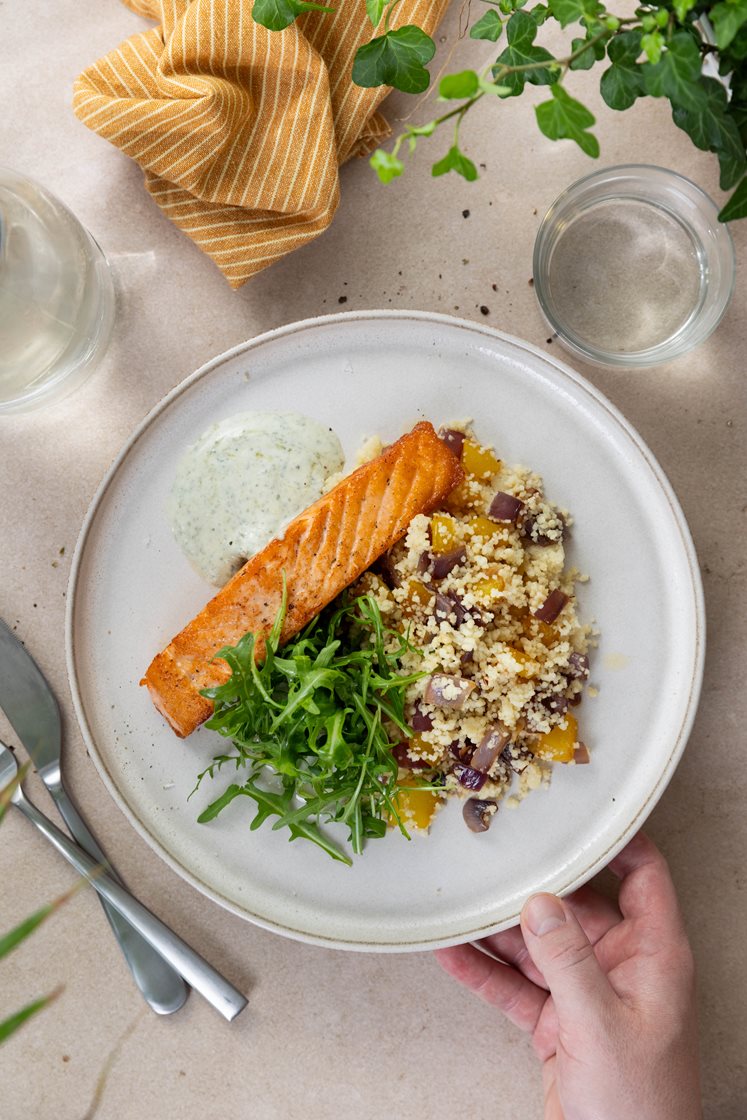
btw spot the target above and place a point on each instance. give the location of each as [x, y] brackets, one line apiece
[676, 75]
[713, 129]
[489, 26]
[565, 118]
[623, 82]
[309, 725]
[278, 14]
[727, 19]
[521, 31]
[736, 207]
[458, 86]
[396, 59]
[455, 160]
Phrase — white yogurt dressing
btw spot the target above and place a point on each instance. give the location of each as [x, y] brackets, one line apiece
[243, 480]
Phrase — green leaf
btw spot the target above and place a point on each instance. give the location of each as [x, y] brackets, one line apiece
[458, 86]
[375, 10]
[682, 7]
[277, 14]
[454, 160]
[396, 59]
[736, 207]
[676, 75]
[571, 11]
[713, 129]
[564, 118]
[10, 1025]
[521, 31]
[539, 13]
[386, 165]
[20, 932]
[652, 45]
[591, 53]
[622, 82]
[727, 18]
[488, 26]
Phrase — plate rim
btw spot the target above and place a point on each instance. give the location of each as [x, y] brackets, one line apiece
[450, 321]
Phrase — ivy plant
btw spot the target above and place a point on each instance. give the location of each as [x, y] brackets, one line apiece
[667, 48]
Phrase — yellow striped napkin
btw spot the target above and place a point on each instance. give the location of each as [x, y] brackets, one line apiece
[240, 130]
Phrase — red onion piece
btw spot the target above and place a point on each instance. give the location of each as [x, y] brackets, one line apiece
[444, 562]
[467, 657]
[578, 666]
[448, 607]
[478, 814]
[504, 507]
[453, 439]
[424, 562]
[400, 752]
[531, 533]
[385, 568]
[469, 778]
[557, 703]
[489, 747]
[444, 691]
[420, 720]
[581, 755]
[552, 606]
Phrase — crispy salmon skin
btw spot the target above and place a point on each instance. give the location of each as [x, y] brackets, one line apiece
[323, 551]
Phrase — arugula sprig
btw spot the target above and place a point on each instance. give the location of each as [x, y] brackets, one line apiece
[310, 725]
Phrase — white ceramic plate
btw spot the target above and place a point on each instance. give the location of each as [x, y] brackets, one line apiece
[378, 373]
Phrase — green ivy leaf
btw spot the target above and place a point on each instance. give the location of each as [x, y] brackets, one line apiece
[375, 10]
[713, 130]
[539, 13]
[488, 26]
[736, 207]
[682, 7]
[571, 11]
[521, 31]
[458, 86]
[564, 118]
[277, 14]
[386, 165]
[676, 75]
[594, 52]
[727, 18]
[622, 82]
[652, 44]
[455, 160]
[396, 59]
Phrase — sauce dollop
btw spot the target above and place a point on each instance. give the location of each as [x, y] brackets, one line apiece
[243, 480]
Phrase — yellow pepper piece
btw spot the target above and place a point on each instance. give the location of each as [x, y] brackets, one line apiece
[558, 743]
[443, 533]
[460, 499]
[417, 592]
[484, 527]
[415, 806]
[526, 663]
[487, 588]
[479, 461]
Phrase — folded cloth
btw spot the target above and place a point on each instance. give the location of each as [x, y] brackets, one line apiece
[240, 130]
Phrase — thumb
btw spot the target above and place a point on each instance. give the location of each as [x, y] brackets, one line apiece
[564, 955]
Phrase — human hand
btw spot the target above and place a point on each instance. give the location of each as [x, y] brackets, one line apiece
[607, 993]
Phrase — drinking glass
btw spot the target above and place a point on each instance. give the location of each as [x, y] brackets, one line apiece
[56, 297]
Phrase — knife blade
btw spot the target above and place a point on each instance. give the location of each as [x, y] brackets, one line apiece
[33, 712]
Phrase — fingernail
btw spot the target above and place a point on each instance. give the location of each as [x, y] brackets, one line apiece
[543, 913]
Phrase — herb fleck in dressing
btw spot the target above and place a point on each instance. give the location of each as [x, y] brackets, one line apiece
[243, 480]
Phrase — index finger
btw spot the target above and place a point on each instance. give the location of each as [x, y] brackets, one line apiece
[646, 889]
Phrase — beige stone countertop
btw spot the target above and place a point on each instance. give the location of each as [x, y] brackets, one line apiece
[327, 1033]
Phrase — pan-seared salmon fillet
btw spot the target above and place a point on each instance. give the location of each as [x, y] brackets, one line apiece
[323, 551]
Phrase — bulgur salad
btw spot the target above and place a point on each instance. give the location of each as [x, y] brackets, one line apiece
[448, 670]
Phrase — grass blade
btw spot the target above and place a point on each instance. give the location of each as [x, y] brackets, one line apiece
[28, 925]
[7, 793]
[10, 1025]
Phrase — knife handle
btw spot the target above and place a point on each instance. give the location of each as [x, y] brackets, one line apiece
[160, 984]
[196, 971]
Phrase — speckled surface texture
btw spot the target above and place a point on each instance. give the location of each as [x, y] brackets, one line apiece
[328, 1033]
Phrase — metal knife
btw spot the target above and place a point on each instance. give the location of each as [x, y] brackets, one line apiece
[31, 708]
